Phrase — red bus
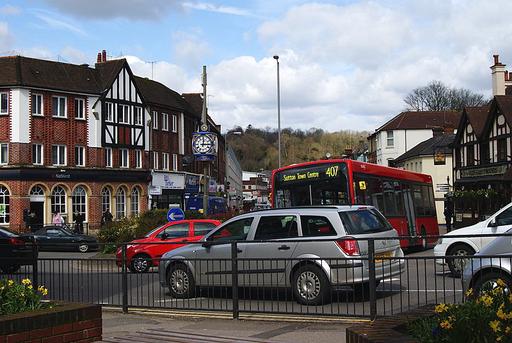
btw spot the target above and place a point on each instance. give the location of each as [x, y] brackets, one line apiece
[405, 198]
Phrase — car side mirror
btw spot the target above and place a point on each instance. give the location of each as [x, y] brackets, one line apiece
[493, 223]
[207, 244]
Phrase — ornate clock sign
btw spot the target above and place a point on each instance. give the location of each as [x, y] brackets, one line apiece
[204, 146]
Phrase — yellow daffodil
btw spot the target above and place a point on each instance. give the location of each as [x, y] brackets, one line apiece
[441, 308]
[446, 325]
[42, 290]
[508, 330]
[10, 283]
[29, 287]
[26, 282]
[500, 314]
[486, 300]
[495, 325]
[469, 292]
[499, 338]
[501, 283]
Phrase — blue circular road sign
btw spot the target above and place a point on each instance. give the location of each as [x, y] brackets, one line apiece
[175, 214]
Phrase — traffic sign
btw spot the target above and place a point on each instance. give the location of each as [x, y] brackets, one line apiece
[175, 214]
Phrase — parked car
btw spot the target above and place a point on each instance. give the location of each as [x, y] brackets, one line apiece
[15, 251]
[330, 256]
[498, 223]
[143, 255]
[482, 274]
[59, 238]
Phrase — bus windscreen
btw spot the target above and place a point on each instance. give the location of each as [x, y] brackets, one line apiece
[324, 184]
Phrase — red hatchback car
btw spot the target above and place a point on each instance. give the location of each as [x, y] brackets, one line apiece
[142, 256]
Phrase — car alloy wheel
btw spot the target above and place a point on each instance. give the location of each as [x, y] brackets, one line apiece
[308, 285]
[460, 259]
[83, 247]
[140, 264]
[179, 281]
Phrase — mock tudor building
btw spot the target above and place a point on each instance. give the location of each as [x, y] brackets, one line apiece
[81, 140]
[67, 132]
[483, 153]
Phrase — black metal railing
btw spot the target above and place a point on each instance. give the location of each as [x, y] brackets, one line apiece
[365, 286]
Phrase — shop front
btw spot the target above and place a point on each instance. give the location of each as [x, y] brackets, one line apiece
[480, 192]
[167, 190]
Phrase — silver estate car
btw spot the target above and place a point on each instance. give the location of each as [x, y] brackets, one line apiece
[310, 249]
[482, 273]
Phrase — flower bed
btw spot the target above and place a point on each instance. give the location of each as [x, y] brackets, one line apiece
[24, 317]
[483, 318]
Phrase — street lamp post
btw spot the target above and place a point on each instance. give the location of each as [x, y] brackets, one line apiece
[278, 114]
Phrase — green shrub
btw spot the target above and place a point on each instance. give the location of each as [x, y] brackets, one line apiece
[486, 318]
[21, 297]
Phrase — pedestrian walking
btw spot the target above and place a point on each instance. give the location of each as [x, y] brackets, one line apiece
[79, 222]
[448, 213]
[57, 219]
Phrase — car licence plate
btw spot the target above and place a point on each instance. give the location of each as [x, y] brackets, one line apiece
[380, 257]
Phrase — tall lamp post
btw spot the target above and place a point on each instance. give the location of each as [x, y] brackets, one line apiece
[276, 57]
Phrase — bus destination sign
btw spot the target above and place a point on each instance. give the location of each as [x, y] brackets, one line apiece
[322, 172]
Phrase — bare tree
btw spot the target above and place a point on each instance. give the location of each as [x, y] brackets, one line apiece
[438, 97]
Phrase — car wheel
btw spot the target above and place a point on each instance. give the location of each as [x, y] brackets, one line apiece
[310, 285]
[10, 269]
[488, 281]
[181, 282]
[83, 247]
[140, 264]
[456, 264]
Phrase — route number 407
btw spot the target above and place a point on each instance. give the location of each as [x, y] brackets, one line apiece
[332, 171]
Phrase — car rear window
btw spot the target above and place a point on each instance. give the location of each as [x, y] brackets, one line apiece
[315, 226]
[363, 221]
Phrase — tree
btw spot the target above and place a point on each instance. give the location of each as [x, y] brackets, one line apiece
[438, 97]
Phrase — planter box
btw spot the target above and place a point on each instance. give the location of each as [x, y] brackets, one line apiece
[66, 322]
[391, 329]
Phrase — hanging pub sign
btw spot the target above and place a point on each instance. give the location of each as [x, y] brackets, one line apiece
[204, 146]
[439, 157]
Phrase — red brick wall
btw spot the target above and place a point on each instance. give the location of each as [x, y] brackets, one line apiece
[165, 141]
[84, 331]
[20, 200]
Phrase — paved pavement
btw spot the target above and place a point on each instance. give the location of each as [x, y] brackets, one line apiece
[119, 327]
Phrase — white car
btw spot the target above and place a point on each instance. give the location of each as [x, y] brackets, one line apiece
[498, 223]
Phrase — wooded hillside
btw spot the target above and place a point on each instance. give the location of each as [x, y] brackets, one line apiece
[256, 149]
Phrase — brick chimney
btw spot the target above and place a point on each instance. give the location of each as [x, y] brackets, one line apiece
[498, 76]
[98, 59]
[104, 56]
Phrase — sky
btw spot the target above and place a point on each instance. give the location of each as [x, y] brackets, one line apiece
[344, 65]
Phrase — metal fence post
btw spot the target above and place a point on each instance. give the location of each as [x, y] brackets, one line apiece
[124, 281]
[35, 271]
[372, 285]
[234, 279]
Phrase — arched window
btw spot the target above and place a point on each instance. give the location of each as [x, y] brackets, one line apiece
[106, 196]
[135, 201]
[80, 202]
[4, 205]
[37, 191]
[59, 201]
[120, 203]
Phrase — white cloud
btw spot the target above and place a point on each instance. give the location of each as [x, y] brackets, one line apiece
[59, 23]
[73, 55]
[105, 9]
[203, 6]
[189, 49]
[6, 38]
[10, 10]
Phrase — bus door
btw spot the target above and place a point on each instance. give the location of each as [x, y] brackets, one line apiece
[409, 210]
